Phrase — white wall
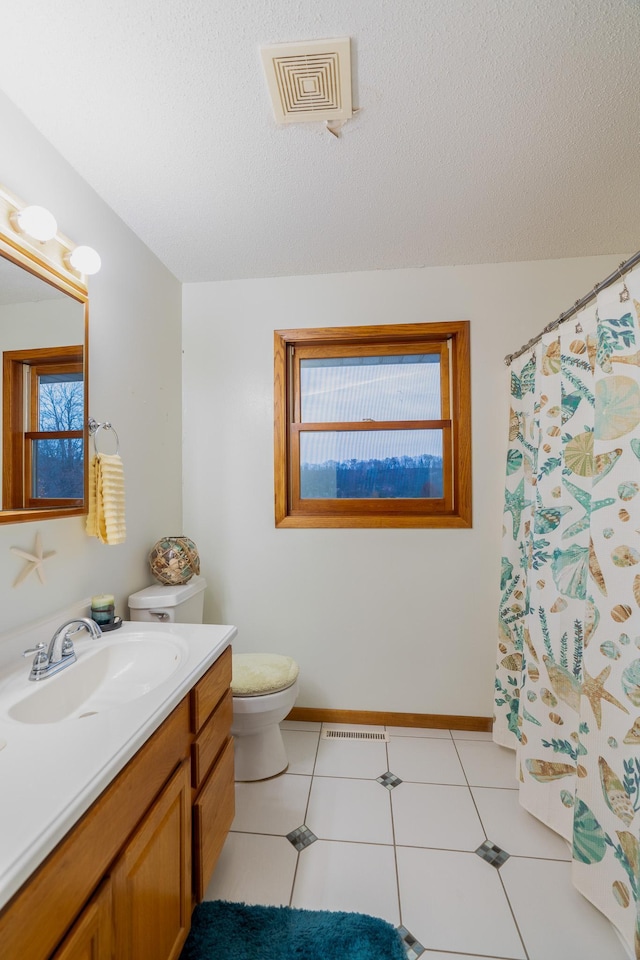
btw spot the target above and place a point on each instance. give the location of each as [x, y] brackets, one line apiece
[134, 381]
[43, 323]
[378, 619]
[400, 620]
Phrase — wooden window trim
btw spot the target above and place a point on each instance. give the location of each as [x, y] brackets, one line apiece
[454, 510]
[17, 441]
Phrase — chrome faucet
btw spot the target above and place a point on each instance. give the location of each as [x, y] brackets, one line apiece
[60, 653]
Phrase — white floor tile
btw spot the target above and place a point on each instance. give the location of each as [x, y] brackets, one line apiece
[342, 809]
[351, 758]
[431, 815]
[308, 725]
[471, 735]
[254, 869]
[487, 765]
[514, 829]
[425, 760]
[436, 955]
[455, 902]
[347, 876]
[419, 732]
[301, 747]
[274, 806]
[556, 921]
[452, 901]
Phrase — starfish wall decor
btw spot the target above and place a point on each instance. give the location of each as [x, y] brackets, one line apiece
[34, 561]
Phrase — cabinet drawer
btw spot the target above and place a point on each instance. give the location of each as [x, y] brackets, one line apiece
[211, 739]
[210, 689]
[213, 813]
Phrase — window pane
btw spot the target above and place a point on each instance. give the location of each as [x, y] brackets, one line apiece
[58, 468]
[342, 389]
[390, 464]
[60, 401]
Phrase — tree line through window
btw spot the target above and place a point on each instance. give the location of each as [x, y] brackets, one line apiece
[43, 427]
[59, 464]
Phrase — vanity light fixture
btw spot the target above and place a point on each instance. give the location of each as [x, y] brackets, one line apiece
[85, 260]
[40, 240]
[36, 222]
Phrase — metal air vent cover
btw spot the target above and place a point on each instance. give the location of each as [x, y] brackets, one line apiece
[310, 80]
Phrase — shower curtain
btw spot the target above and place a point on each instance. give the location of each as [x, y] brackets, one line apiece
[567, 688]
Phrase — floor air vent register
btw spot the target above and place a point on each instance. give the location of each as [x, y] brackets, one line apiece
[353, 735]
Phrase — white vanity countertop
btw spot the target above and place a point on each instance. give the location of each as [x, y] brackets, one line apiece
[51, 773]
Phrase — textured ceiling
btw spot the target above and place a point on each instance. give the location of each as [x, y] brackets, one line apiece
[489, 130]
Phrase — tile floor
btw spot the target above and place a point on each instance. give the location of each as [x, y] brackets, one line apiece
[407, 852]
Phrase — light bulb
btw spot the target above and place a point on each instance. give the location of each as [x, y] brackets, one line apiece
[85, 260]
[37, 223]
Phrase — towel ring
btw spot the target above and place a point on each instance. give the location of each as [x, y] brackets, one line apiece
[95, 427]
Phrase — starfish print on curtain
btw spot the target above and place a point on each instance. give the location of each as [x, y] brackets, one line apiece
[568, 672]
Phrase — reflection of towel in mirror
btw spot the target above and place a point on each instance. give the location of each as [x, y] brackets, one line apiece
[106, 516]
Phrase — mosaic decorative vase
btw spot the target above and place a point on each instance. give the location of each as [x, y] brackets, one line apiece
[174, 560]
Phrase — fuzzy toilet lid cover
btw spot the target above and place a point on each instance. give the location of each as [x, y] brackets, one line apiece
[259, 673]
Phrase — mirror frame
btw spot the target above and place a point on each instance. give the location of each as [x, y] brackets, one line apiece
[47, 262]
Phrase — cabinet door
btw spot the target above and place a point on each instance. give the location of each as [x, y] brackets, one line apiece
[152, 878]
[213, 813]
[90, 936]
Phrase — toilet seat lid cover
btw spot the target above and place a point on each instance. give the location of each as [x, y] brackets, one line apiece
[259, 673]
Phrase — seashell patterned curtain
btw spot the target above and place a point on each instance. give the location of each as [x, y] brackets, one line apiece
[567, 688]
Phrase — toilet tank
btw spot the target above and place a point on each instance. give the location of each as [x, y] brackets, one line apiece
[169, 604]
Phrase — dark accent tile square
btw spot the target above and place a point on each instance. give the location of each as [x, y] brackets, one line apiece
[413, 947]
[301, 837]
[389, 780]
[492, 853]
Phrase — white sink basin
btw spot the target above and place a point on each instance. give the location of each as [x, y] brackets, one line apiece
[113, 673]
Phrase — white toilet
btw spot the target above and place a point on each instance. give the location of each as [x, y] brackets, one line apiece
[265, 686]
[183, 603]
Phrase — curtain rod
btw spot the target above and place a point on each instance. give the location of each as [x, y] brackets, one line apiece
[578, 305]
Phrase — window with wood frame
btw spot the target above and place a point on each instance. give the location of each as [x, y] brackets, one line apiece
[373, 426]
[43, 428]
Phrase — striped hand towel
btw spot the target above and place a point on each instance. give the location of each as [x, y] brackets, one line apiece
[92, 523]
[106, 517]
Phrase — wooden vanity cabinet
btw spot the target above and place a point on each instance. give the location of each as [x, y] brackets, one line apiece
[120, 885]
[212, 769]
[213, 812]
[152, 878]
[91, 935]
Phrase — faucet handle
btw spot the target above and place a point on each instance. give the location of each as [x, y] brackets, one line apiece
[37, 649]
[40, 661]
[67, 645]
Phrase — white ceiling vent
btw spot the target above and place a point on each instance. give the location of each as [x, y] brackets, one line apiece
[310, 80]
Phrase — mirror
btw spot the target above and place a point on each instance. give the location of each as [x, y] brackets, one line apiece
[44, 410]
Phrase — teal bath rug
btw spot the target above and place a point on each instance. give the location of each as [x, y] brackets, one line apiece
[235, 931]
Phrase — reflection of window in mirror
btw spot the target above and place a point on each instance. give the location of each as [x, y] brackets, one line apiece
[43, 419]
[43, 405]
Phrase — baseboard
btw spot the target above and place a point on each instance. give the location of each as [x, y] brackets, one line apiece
[435, 721]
